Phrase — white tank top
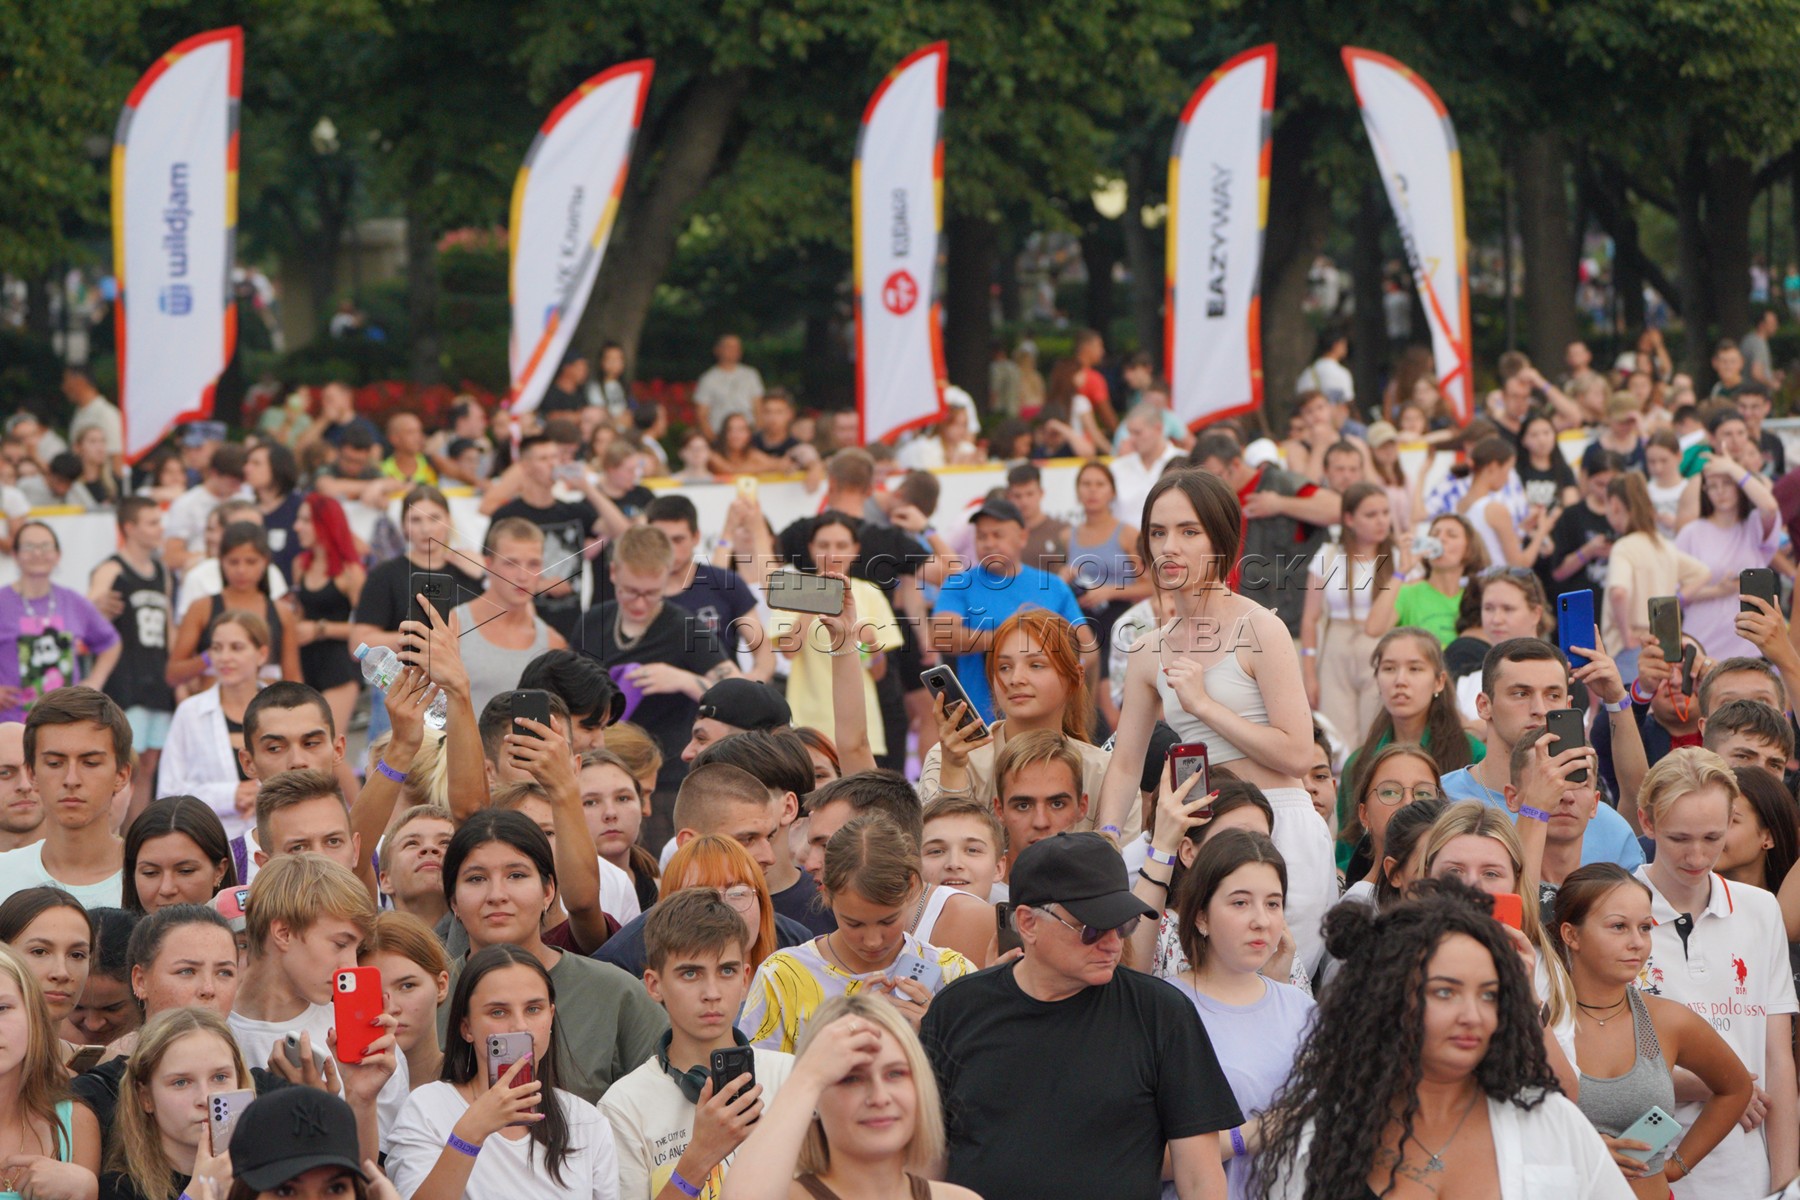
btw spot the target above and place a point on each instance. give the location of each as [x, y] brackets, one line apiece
[934, 908]
[1228, 683]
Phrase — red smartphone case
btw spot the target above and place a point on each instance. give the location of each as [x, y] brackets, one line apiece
[1509, 910]
[356, 1004]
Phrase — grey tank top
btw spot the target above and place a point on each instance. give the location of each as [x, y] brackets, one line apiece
[1614, 1105]
[494, 669]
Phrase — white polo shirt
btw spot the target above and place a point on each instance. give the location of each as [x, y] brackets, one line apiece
[1733, 971]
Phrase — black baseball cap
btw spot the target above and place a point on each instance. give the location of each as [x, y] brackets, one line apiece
[288, 1132]
[999, 510]
[1083, 873]
[746, 704]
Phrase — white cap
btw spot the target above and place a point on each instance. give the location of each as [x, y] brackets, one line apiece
[1261, 452]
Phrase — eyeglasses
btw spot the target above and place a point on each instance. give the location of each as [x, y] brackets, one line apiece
[1393, 793]
[641, 595]
[1090, 935]
[741, 898]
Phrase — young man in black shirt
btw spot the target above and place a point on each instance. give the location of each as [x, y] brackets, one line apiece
[135, 591]
[1581, 540]
[1016, 1046]
[673, 658]
[571, 527]
[718, 596]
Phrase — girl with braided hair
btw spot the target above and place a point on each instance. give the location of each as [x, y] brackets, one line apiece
[1424, 1073]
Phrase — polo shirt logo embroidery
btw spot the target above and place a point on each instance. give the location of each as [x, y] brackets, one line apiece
[1742, 971]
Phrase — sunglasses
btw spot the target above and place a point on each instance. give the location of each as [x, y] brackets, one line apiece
[1090, 935]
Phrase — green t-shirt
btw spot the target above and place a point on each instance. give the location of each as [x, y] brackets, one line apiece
[1423, 606]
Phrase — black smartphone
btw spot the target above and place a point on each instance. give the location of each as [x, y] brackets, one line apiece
[1665, 626]
[1004, 934]
[1690, 655]
[1759, 582]
[800, 591]
[1566, 733]
[942, 681]
[730, 1064]
[438, 589]
[533, 703]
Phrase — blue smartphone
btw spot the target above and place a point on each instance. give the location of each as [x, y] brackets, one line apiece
[1575, 625]
[1655, 1129]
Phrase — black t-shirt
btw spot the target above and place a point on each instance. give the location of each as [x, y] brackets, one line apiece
[1573, 530]
[1774, 454]
[558, 401]
[1464, 656]
[387, 594]
[717, 597]
[634, 501]
[117, 1185]
[802, 903]
[674, 637]
[1116, 1072]
[779, 449]
[568, 526]
[1549, 484]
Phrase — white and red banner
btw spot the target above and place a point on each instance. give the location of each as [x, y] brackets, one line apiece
[1218, 212]
[564, 203]
[897, 195]
[174, 215]
[1415, 150]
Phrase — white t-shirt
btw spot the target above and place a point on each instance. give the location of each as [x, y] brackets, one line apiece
[257, 1039]
[1330, 376]
[24, 868]
[652, 1124]
[512, 1168]
[722, 393]
[186, 518]
[1349, 587]
[1733, 972]
[204, 580]
[618, 894]
[1134, 481]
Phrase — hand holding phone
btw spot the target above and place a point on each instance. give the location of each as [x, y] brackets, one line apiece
[504, 1051]
[223, 1110]
[357, 1005]
[730, 1065]
[947, 691]
[1186, 761]
[923, 971]
[1761, 583]
[1509, 910]
[1567, 733]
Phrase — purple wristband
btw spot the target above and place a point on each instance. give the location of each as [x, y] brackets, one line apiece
[396, 776]
[1536, 814]
[683, 1186]
[462, 1147]
[1237, 1143]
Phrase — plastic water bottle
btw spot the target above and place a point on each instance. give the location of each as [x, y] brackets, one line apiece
[381, 666]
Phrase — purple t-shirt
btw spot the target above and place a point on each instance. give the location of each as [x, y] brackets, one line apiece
[38, 640]
[1727, 551]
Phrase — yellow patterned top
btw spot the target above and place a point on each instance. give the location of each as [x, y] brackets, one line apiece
[792, 983]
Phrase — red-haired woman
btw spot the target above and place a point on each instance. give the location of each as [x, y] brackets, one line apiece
[328, 578]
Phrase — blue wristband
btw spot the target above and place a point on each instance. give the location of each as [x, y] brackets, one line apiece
[1238, 1148]
[396, 776]
[683, 1186]
[462, 1147]
[1112, 829]
[1536, 814]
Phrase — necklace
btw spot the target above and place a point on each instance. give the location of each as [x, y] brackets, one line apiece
[1435, 1161]
[1611, 1010]
[619, 639]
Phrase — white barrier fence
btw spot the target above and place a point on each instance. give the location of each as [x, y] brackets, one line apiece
[87, 538]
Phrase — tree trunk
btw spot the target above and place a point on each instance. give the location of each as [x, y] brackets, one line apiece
[971, 246]
[655, 204]
[1099, 253]
[1690, 186]
[1006, 271]
[1545, 238]
[1299, 219]
[1143, 259]
[1370, 354]
[1730, 194]
[37, 307]
[426, 357]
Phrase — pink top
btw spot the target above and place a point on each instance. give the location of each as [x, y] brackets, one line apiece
[1726, 550]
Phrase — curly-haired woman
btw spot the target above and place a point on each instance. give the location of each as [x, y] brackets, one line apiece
[1426, 1070]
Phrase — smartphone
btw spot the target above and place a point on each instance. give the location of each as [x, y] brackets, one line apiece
[1005, 936]
[1575, 625]
[1566, 733]
[290, 1047]
[1755, 581]
[223, 1110]
[920, 970]
[439, 590]
[734, 1063]
[798, 591]
[1690, 655]
[356, 1003]
[1656, 1129]
[532, 704]
[1665, 626]
[505, 1049]
[1509, 910]
[85, 1058]
[942, 681]
[1187, 760]
[746, 486]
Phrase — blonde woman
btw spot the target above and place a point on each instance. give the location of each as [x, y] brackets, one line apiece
[1643, 564]
[162, 1137]
[54, 1143]
[1476, 844]
[859, 1119]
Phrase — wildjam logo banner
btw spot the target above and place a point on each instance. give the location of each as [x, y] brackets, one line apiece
[896, 188]
[174, 213]
[1421, 168]
[1218, 209]
[564, 202]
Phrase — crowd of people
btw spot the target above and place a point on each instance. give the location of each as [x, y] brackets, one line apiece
[865, 856]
